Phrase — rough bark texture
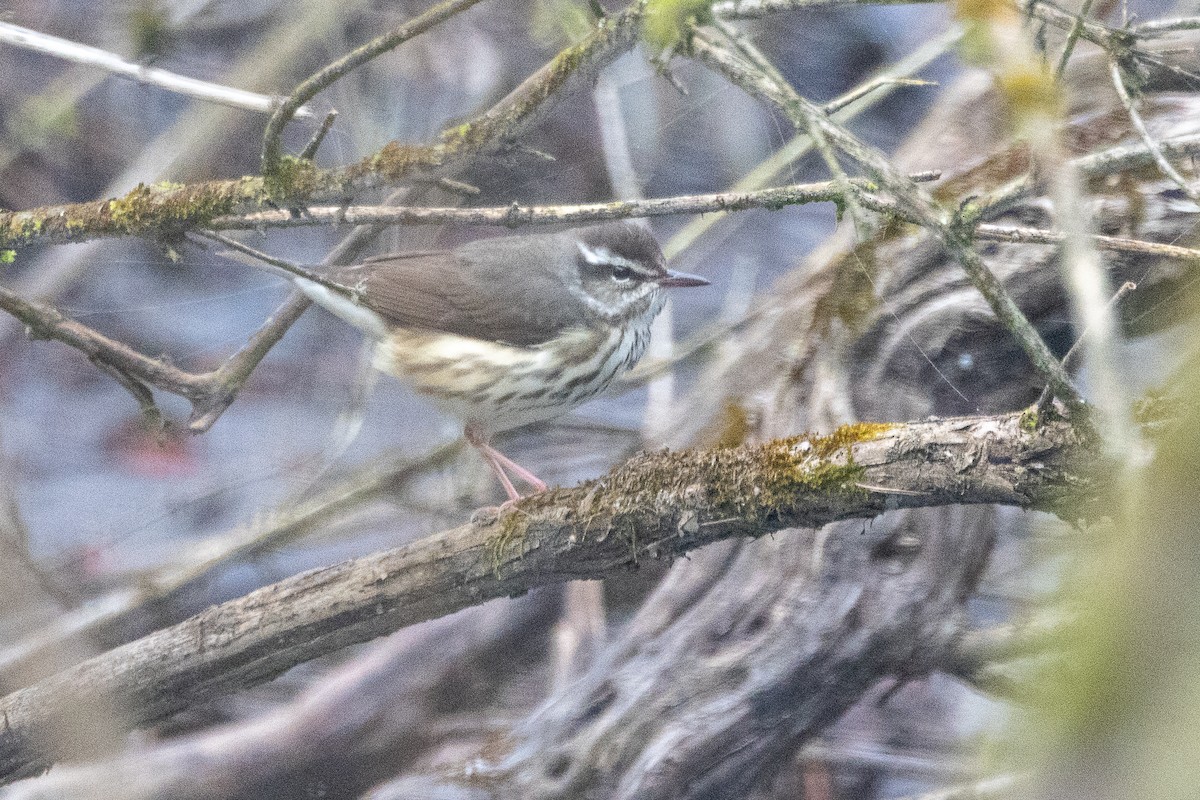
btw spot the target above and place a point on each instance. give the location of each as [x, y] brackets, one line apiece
[750, 649]
[338, 737]
[659, 505]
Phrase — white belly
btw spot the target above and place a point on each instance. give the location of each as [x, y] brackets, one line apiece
[497, 387]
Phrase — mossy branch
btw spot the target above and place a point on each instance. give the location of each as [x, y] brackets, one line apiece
[659, 505]
[166, 210]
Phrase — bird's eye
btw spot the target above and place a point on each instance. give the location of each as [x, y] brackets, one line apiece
[620, 272]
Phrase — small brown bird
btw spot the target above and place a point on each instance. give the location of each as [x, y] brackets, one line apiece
[508, 331]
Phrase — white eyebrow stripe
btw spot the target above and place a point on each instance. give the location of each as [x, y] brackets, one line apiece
[602, 256]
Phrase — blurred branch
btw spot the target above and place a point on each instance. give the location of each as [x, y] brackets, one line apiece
[1139, 125]
[93, 56]
[987, 789]
[860, 754]
[841, 109]
[166, 210]
[1017, 681]
[1009, 660]
[659, 505]
[308, 89]
[100, 618]
[953, 232]
[337, 728]
[1031, 635]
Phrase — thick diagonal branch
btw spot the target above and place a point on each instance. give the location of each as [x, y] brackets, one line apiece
[659, 505]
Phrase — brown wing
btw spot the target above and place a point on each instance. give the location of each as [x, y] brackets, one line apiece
[467, 293]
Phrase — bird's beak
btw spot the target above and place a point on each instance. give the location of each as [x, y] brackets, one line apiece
[680, 280]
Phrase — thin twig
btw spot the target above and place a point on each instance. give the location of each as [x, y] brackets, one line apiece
[1162, 27]
[1140, 125]
[809, 113]
[516, 215]
[308, 89]
[260, 260]
[1044, 399]
[953, 233]
[842, 110]
[1073, 38]
[1119, 244]
[45, 322]
[93, 56]
[314, 144]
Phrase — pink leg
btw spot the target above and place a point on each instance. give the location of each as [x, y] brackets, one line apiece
[490, 458]
[537, 483]
[498, 462]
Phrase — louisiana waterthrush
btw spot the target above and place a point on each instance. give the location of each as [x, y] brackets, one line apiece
[508, 331]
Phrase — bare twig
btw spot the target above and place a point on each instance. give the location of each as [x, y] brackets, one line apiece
[515, 215]
[1140, 126]
[1044, 400]
[1162, 27]
[808, 112]
[308, 89]
[277, 266]
[1073, 38]
[47, 323]
[167, 210]
[953, 233]
[314, 144]
[841, 109]
[93, 56]
[656, 506]
[1118, 244]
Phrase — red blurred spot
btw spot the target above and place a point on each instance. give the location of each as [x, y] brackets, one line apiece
[152, 453]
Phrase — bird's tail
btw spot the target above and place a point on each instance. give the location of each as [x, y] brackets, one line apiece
[331, 295]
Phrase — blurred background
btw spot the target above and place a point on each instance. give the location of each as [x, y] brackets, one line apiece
[100, 494]
[93, 502]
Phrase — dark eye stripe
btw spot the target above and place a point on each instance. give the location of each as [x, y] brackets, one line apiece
[603, 257]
